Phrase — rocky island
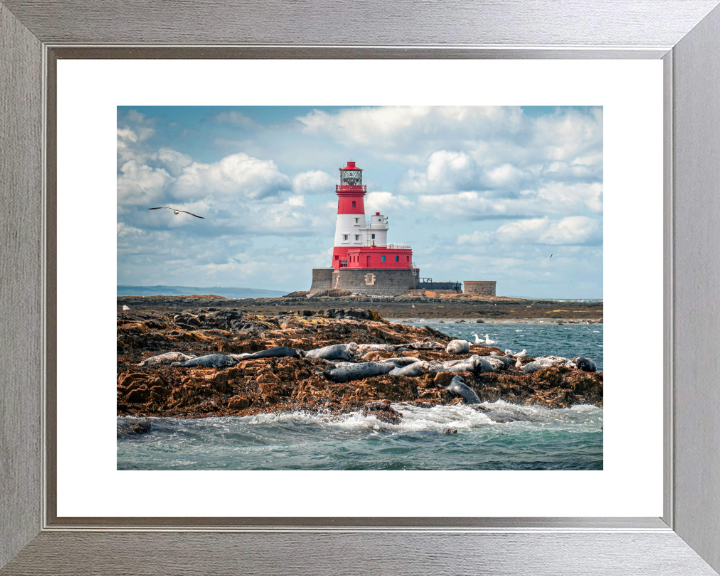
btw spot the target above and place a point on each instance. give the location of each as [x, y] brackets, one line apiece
[219, 359]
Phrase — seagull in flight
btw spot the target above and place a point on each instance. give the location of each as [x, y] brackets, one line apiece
[177, 211]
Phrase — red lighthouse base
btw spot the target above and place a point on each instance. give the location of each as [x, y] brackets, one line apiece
[391, 256]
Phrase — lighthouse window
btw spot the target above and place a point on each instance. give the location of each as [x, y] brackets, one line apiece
[356, 220]
[354, 207]
[373, 236]
[397, 258]
[345, 236]
[357, 236]
[382, 258]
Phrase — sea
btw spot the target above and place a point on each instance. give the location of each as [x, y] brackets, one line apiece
[508, 437]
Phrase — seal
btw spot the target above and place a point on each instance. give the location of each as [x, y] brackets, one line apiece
[167, 358]
[411, 370]
[547, 362]
[348, 372]
[475, 364]
[363, 349]
[401, 361]
[277, 352]
[425, 345]
[335, 352]
[210, 361]
[458, 386]
[584, 364]
[458, 347]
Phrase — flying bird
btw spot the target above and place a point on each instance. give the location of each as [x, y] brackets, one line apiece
[177, 211]
[550, 255]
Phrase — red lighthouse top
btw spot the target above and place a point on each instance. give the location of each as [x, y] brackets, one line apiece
[351, 190]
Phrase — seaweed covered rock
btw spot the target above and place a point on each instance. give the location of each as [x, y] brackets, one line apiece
[349, 360]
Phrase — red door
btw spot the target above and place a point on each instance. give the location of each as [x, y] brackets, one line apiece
[368, 261]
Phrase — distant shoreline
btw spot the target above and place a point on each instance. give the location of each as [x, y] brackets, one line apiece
[225, 292]
[494, 309]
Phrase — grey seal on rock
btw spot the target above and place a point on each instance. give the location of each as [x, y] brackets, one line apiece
[584, 364]
[547, 362]
[348, 372]
[167, 358]
[458, 347]
[458, 386]
[337, 351]
[210, 361]
[414, 369]
[277, 352]
[475, 363]
[425, 345]
[401, 361]
[363, 349]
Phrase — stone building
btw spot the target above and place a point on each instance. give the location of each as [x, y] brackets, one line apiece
[482, 287]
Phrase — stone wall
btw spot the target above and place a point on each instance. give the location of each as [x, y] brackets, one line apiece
[485, 288]
[321, 280]
[375, 281]
[444, 286]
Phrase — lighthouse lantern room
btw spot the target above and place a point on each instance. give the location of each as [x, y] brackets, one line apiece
[361, 242]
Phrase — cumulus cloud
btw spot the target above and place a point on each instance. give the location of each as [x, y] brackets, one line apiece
[173, 160]
[573, 230]
[234, 175]
[313, 182]
[232, 117]
[390, 128]
[555, 198]
[141, 184]
[386, 202]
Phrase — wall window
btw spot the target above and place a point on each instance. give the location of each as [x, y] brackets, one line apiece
[354, 207]
[357, 237]
[382, 258]
[337, 257]
[397, 258]
[373, 236]
[407, 258]
[345, 236]
[356, 220]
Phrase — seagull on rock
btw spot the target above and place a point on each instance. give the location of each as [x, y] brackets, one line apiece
[477, 340]
[489, 342]
[521, 354]
[177, 211]
[126, 308]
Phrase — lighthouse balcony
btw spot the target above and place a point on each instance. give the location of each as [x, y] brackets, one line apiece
[361, 188]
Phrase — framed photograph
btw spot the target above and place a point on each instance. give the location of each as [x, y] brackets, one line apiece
[423, 391]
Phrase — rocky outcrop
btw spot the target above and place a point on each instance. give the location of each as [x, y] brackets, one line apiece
[386, 363]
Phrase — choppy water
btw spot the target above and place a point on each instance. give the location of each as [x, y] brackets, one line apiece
[539, 439]
[532, 438]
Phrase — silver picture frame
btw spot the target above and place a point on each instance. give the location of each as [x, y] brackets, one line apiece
[685, 34]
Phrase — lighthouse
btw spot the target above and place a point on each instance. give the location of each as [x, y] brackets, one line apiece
[362, 260]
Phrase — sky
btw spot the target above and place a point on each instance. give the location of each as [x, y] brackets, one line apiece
[512, 194]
